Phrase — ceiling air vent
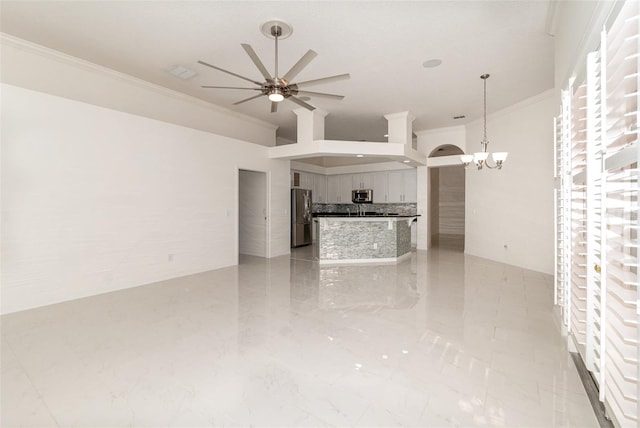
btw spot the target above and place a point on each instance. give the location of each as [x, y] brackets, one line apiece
[181, 72]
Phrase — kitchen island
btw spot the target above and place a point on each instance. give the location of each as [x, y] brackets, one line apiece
[363, 239]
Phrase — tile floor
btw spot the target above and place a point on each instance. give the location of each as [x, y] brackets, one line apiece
[441, 339]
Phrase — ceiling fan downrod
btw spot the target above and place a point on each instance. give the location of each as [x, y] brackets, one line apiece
[276, 32]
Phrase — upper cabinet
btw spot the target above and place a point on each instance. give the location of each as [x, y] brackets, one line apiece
[380, 187]
[362, 181]
[333, 189]
[395, 186]
[411, 186]
[391, 186]
[402, 186]
[317, 183]
[319, 188]
[339, 189]
[301, 180]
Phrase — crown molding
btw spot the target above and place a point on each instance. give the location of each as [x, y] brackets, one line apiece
[43, 51]
[550, 93]
[507, 110]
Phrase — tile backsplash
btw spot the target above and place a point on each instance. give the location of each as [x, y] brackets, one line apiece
[407, 208]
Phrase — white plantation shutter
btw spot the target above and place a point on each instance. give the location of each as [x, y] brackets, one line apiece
[578, 117]
[622, 295]
[622, 82]
[602, 193]
[578, 150]
[621, 165]
[563, 218]
[595, 261]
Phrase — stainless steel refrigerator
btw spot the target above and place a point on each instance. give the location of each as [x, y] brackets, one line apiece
[300, 217]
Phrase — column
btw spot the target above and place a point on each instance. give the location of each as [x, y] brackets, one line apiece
[310, 124]
[400, 127]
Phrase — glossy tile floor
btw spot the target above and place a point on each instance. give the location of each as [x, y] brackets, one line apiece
[441, 339]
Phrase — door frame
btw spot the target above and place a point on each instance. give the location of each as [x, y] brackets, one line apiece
[267, 210]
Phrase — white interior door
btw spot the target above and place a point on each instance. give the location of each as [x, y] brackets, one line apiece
[252, 213]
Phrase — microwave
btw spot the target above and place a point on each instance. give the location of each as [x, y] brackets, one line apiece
[362, 196]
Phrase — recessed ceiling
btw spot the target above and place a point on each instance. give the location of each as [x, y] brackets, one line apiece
[382, 44]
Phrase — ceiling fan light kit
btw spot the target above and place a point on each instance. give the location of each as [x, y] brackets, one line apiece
[480, 158]
[276, 95]
[276, 88]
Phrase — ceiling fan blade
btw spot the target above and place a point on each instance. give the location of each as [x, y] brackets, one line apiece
[229, 72]
[321, 80]
[248, 99]
[254, 57]
[318, 94]
[274, 107]
[301, 103]
[229, 87]
[298, 66]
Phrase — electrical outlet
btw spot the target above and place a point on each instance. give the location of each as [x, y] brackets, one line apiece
[375, 245]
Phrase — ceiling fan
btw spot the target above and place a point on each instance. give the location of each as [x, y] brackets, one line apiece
[278, 88]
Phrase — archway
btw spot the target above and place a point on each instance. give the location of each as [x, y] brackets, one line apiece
[447, 201]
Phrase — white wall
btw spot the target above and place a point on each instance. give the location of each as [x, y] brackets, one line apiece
[95, 200]
[428, 141]
[514, 206]
[252, 213]
[431, 139]
[38, 68]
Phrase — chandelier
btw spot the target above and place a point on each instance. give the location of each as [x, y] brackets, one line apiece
[481, 158]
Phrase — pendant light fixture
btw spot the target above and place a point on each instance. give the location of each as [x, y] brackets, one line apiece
[481, 158]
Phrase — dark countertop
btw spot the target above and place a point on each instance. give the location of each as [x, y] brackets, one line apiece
[366, 214]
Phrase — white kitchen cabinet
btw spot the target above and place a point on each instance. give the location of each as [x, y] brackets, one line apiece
[346, 183]
[345, 188]
[333, 189]
[402, 186]
[362, 181]
[411, 186]
[319, 188]
[380, 187]
[339, 189]
[392, 186]
[395, 189]
[305, 180]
